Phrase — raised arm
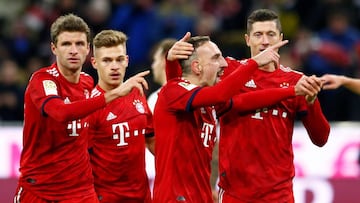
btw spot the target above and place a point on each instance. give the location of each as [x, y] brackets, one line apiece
[180, 50]
[335, 81]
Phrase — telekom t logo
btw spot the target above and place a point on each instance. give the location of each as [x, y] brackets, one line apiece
[121, 130]
[206, 132]
[75, 127]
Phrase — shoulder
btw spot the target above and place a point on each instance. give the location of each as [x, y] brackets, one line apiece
[96, 92]
[177, 88]
[289, 74]
[86, 79]
[49, 75]
[290, 70]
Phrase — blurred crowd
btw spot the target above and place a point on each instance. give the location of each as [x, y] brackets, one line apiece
[324, 38]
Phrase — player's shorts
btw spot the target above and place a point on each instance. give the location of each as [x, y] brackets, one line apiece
[107, 197]
[23, 196]
[225, 197]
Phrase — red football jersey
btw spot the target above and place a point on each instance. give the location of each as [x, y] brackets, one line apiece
[54, 161]
[117, 147]
[255, 149]
[185, 139]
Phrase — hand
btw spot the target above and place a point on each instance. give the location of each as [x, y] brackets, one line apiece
[136, 81]
[270, 54]
[308, 86]
[181, 49]
[331, 81]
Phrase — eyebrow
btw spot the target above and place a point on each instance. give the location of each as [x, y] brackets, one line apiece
[216, 56]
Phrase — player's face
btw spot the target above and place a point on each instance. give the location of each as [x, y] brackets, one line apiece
[111, 64]
[211, 64]
[262, 35]
[71, 51]
[158, 66]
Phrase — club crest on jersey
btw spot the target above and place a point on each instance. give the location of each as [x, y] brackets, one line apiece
[284, 84]
[139, 106]
[49, 87]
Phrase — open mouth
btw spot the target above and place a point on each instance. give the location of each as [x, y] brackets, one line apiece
[220, 73]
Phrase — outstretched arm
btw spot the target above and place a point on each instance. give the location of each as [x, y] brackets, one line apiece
[60, 111]
[258, 99]
[335, 81]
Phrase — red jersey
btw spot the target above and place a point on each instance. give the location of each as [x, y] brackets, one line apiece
[185, 139]
[255, 149]
[117, 148]
[54, 161]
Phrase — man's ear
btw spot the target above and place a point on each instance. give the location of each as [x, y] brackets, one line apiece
[53, 48]
[93, 62]
[247, 38]
[196, 67]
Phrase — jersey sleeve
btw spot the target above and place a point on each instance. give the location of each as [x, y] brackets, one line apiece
[178, 94]
[149, 131]
[257, 99]
[44, 94]
[316, 124]
[226, 88]
[173, 69]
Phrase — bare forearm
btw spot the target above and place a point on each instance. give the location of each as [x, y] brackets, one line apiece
[351, 83]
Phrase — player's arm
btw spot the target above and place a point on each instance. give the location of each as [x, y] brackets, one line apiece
[180, 50]
[335, 81]
[316, 124]
[309, 86]
[258, 99]
[314, 120]
[44, 94]
[226, 88]
[172, 69]
[56, 108]
[137, 81]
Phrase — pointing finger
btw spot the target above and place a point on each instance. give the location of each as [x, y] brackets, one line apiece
[143, 73]
[279, 44]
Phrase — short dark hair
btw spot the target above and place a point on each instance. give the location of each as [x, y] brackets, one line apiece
[69, 23]
[196, 42]
[262, 15]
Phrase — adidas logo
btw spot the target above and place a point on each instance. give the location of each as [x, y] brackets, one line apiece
[110, 116]
[67, 100]
[250, 83]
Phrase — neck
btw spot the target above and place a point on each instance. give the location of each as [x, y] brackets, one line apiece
[72, 76]
[107, 87]
[193, 80]
[268, 68]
